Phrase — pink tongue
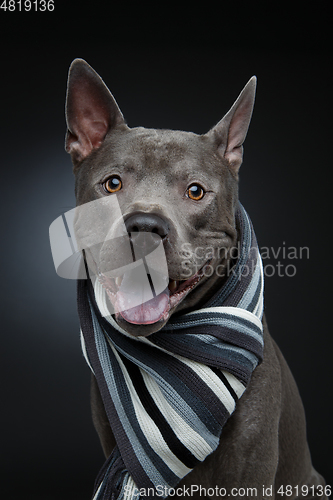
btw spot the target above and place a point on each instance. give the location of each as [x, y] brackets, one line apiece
[143, 314]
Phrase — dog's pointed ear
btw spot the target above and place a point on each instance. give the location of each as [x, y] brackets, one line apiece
[229, 134]
[91, 111]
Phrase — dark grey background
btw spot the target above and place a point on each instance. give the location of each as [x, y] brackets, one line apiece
[168, 69]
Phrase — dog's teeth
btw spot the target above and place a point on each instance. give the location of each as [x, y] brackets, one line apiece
[118, 280]
[172, 285]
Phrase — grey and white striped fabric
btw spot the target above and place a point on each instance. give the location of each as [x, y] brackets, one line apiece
[168, 396]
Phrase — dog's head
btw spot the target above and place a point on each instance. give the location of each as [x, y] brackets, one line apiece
[164, 190]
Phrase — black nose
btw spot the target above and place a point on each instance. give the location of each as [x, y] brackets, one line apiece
[149, 223]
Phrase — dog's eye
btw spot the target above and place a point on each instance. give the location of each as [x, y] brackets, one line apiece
[113, 184]
[195, 192]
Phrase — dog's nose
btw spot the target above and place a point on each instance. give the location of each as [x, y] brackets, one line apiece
[150, 223]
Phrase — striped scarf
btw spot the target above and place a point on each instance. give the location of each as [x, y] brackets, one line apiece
[168, 396]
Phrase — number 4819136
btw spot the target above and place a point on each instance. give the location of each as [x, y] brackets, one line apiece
[26, 5]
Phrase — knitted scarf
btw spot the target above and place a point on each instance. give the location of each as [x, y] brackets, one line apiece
[168, 396]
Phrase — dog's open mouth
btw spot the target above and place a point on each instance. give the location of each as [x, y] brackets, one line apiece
[127, 297]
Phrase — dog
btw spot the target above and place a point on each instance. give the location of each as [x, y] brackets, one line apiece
[184, 187]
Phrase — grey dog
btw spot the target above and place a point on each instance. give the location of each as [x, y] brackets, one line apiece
[184, 187]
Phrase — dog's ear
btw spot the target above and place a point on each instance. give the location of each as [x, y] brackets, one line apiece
[230, 132]
[91, 111]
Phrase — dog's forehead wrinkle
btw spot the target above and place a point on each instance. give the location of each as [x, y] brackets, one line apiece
[171, 156]
[161, 142]
[164, 150]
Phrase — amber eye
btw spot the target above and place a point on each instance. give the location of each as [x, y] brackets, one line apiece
[113, 184]
[195, 192]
